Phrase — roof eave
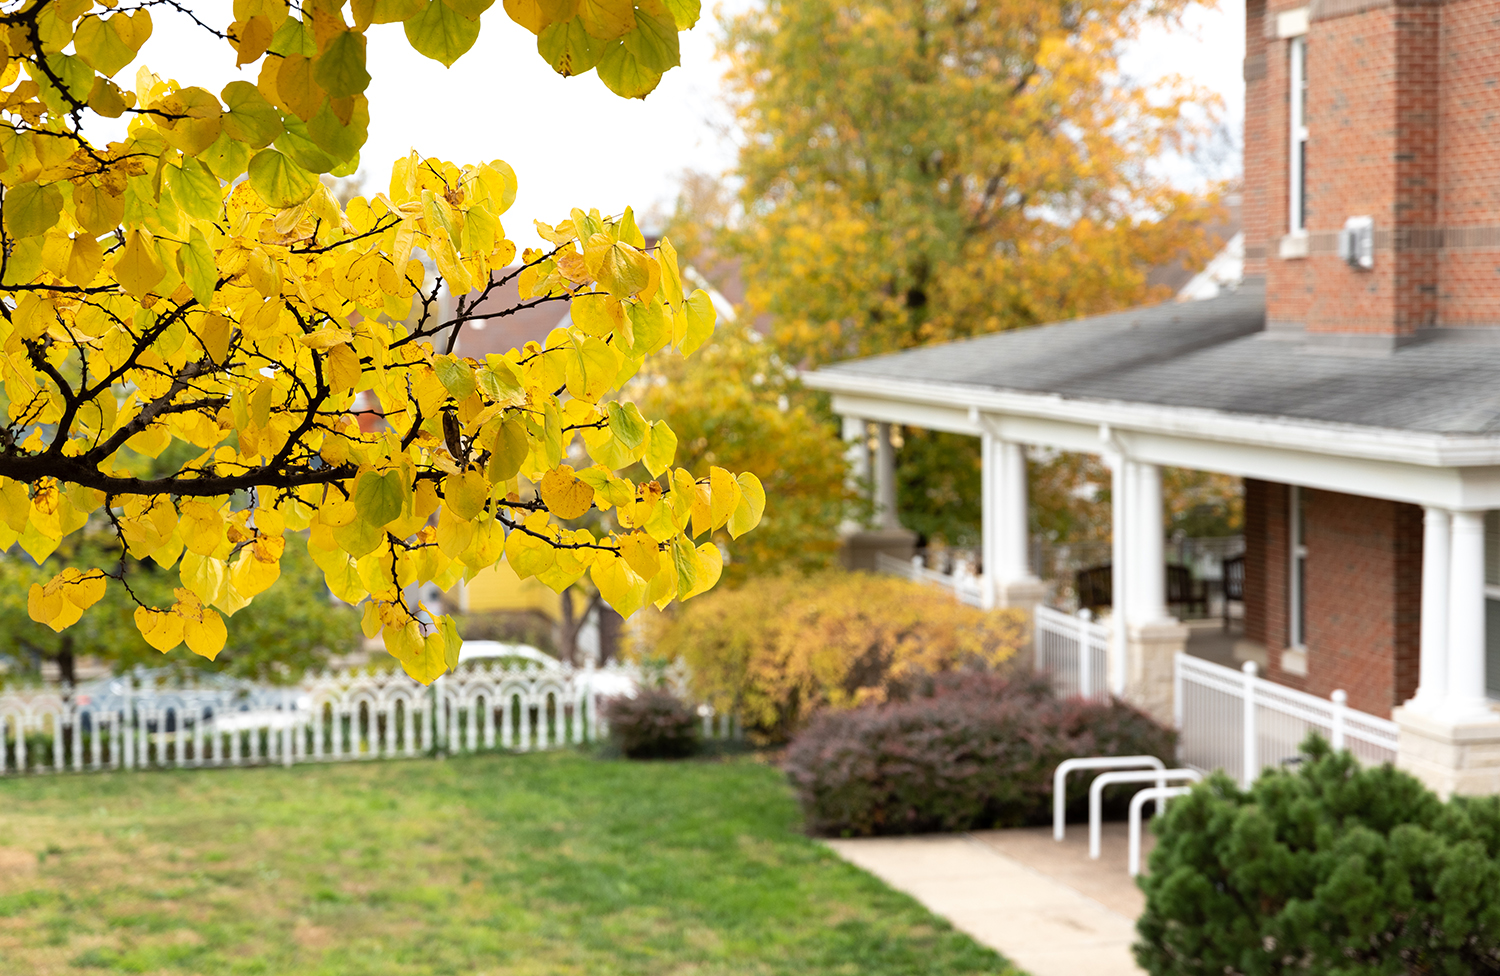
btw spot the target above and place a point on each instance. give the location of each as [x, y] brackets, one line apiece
[1293, 433]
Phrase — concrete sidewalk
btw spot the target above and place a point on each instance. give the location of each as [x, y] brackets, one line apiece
[1043, 905]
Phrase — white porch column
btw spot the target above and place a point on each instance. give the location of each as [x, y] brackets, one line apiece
[885, 480]
[1432, 689]
[1449, 734]
[1466, 698]
[1120, 478]
[1006, 524]
[1151, 586]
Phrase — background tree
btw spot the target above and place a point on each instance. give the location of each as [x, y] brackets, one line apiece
[154, 300]
[915, 171]
[296, 625]
[737, 404]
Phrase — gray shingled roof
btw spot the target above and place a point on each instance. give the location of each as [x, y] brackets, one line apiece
[1215, 355]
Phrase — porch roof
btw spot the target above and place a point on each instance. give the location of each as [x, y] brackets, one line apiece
[1212, 355]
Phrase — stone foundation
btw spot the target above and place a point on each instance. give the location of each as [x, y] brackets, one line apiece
[1462, 757]
[859, 548]
[1151, 651]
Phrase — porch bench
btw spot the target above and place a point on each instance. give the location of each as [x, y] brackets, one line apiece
[1095, 588]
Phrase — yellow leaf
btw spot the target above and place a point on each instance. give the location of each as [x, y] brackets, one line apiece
[642, 553]
[618, 584]
[441, 33]
[137, 268]
[724, 496]
[509, 451]
[710, 566]
[751, 505]
[699, 309]
[343, 368]
[564, 495]
[253, 572]
[607, 19]
[465, 494]
[204, 633]
[162, 629]
[202, 527]
[15, 503]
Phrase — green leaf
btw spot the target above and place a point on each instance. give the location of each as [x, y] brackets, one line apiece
[380, 498]
[198, 268]
[195, 189]
[441, 33]
[624, 74]
[279, 181]
[511, 448]
[501, 382]
[330, 135]
[293, 37]
[109, 45]
[250, 119]
[685, 558]
[569, 48]
[627, 424]
[227, 158]
[455, 375]
[340, 69]
[31, 209]
[649, 324]
[654, 43]
[299, 145]
[685, 12]
[661, 448]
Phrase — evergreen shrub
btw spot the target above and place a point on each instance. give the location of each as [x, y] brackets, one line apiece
[654, 724]
[970, 751]
[1330, 869]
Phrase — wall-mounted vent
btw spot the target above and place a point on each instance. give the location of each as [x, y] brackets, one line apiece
[1357, 242]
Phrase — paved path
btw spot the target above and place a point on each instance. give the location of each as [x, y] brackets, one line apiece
[1043, 905]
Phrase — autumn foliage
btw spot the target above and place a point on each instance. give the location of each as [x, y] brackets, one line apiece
[779, 648]
[194, 291]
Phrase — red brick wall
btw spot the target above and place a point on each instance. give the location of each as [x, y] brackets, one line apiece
[1402, 127]
[1364, 575]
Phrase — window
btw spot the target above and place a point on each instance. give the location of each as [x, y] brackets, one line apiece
[1297, 194]
[1297, 578]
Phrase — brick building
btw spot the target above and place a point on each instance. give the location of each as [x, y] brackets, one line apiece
[1352, 381]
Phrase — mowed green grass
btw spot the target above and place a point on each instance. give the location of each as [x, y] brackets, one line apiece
[540, 864]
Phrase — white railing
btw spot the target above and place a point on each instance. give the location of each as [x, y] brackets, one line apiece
[140, 722]
[1241, 723]
[964, 584]
[1058, 638]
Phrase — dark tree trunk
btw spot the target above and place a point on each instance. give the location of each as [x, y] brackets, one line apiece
[65, 665]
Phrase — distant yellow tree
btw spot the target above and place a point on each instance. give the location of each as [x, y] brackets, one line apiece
[194, 292]
[916, 170]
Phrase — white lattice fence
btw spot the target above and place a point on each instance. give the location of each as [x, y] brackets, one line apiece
[134, 723]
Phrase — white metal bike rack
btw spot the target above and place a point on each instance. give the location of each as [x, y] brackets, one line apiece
[1096, 793]
[1059, 778]
[1160, 794]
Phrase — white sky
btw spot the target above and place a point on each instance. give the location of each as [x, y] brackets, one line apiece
[571, 141]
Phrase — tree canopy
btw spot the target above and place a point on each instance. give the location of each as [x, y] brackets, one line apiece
[195, 291]
[916, 170]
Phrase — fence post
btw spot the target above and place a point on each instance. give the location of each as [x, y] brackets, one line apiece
[1250, 761]
[1085, 656]
[1340, 706]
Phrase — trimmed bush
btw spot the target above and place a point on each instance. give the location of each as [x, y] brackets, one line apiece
[972, 751]
[655, 724]
[1330, 868]
[778, 649]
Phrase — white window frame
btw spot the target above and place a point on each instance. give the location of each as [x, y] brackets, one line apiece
[1296, 636]
[1296, 163]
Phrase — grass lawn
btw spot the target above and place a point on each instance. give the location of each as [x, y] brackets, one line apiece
[541, 864]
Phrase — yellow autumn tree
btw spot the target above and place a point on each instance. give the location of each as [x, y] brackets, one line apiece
[194, 292]
[918, 170]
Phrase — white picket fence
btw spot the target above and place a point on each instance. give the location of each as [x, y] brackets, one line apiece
[1241, 723]
[1057, 638]
[141, 721]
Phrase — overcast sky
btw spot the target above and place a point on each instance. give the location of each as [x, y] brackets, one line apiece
[571, 141]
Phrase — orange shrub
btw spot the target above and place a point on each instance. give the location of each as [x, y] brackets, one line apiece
[779, 648]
